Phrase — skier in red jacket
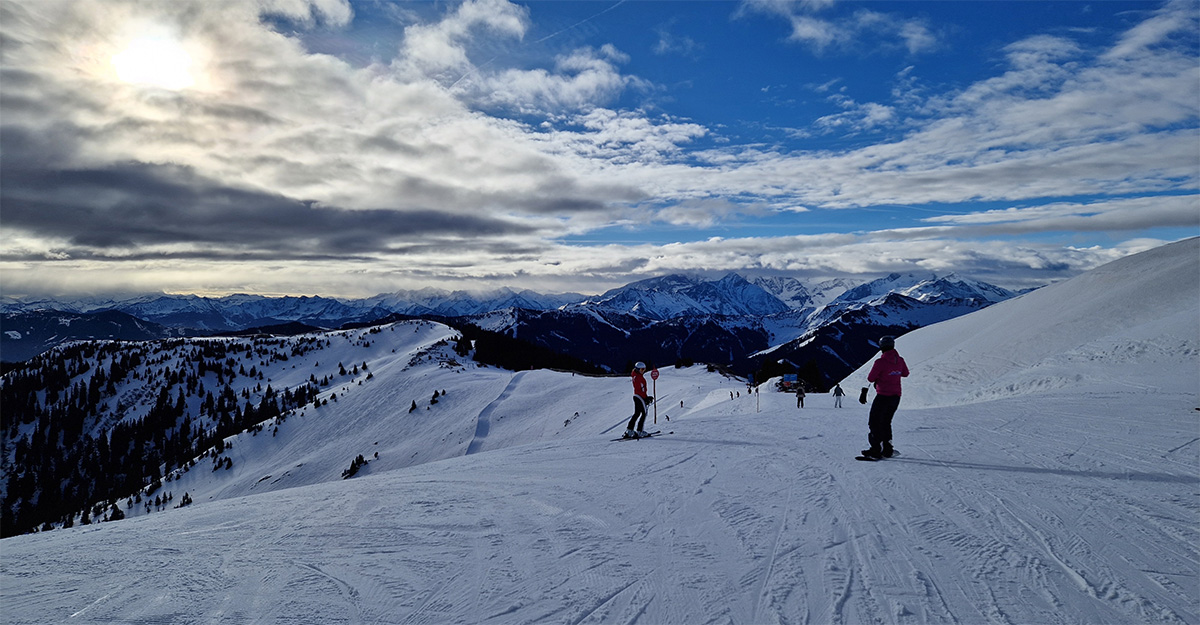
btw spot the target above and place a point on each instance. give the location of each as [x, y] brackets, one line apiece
[640, 400]
[885, 375]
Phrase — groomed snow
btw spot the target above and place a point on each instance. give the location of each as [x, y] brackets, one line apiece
[1012, 501]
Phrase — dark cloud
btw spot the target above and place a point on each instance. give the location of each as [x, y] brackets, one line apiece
[130, 205]
[388, 145]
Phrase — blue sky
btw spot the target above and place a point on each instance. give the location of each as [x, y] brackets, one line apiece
[350, 148]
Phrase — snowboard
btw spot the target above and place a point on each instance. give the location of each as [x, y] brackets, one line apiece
[866, 458]
[649, 435]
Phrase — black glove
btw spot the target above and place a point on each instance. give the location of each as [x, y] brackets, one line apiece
[862, 397]
[649, 399]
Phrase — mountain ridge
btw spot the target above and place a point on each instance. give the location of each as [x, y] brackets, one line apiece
[785, 304]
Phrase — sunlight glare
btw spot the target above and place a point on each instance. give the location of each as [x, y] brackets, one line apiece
[156, 62]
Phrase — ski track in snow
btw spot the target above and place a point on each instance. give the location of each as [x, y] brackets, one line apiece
[743, 518]
[483, 422]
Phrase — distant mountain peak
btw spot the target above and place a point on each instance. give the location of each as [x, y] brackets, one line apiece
[788, 290]
[678, 295]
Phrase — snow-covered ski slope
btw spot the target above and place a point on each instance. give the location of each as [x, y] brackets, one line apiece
[1019, 498]
[1132, 325]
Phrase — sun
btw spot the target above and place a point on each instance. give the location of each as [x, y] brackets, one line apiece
[155, 62]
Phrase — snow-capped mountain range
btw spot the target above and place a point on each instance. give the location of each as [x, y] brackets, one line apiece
[430, 301]
[926, 288]
[675, 296]
[660, 298]
[1048, 460]
[697, 318]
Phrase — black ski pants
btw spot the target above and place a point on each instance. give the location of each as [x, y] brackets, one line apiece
[882, 410]
[639, 410]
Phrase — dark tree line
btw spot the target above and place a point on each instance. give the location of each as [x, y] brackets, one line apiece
[70, 436]
[92, 423]
[501, 350]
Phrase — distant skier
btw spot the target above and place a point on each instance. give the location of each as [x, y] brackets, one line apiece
[885, 375]
[800, 396]
[838, 394]
[640, 401]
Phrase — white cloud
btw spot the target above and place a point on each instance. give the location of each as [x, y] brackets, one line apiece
[438, 50]
[914, 35]
[1040, 50]
[581, 80]
[857, 117]
[917, 37]
[818, 33]
[624, 137]
[670, 43]
[1176, 18]
[706, 212]
[864, 30]
[1108, 215]
[1013, 264]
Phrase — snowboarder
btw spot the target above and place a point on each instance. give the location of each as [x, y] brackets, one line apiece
[640, 400]
[838, 394]
[800, 396]
[885, 375]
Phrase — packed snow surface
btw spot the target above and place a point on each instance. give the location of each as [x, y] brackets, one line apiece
[1051, 480]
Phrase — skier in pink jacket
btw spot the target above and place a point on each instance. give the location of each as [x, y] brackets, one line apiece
[885, 375]
[640, 401]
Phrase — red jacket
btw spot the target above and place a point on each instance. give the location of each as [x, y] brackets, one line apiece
[886, 373]
[639, 384]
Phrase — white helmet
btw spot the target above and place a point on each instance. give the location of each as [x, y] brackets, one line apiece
[640, 365]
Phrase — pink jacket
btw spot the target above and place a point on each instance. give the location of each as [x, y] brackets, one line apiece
[886, 373]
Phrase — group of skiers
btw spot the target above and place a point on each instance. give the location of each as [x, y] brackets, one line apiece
[838, 394]
[885, 375]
